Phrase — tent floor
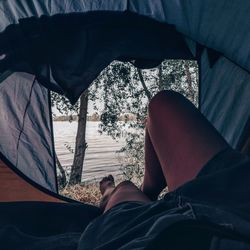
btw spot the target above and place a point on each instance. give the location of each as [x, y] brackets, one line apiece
[14, 188]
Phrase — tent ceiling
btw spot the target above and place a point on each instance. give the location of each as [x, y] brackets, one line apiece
[68, 59]
[219, 25]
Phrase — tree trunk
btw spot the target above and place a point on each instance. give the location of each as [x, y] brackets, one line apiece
[62, 180]
[81, 145]
[160, 82]
[189, 80]
[148, 94]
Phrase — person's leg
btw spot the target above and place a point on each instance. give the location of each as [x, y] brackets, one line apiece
[154, 180]
[125, 191]
[183, 140]
[179, 142]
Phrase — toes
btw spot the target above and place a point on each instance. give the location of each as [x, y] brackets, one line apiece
[106, 182]
[111, 178]
[104, 179]
[108, 178]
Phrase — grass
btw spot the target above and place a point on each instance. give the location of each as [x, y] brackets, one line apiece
[87, 193]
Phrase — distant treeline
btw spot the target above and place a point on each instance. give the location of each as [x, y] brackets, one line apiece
[94, 117]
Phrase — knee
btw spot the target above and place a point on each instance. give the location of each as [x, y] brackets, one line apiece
[166, 99]
[125, 184]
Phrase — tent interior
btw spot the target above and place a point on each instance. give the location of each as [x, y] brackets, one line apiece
[52, 45]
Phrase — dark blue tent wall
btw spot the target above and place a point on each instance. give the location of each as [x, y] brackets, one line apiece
[222, 26]
[224, 100]
[25, 128]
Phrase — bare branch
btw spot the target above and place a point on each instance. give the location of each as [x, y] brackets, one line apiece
[148, 94]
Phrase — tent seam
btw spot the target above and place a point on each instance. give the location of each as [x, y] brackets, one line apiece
[24, 115]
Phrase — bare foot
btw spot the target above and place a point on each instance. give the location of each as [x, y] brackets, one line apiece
[106, 183]
[107, 186]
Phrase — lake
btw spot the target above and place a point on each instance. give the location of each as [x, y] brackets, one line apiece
[100, 157]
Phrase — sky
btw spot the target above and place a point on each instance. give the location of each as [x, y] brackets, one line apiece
[91, 110]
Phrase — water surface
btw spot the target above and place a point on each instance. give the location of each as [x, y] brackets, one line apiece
[100, 158]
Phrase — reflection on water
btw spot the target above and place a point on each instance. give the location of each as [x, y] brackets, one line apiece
[100, 157]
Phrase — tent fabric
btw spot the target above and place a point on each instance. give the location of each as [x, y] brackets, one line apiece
[224, 97]
[73, 56]
[17, 187]
[221, 25]
[43, 225]
[47, 218]
[25, 128]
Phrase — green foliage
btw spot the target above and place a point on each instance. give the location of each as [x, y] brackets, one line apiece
[62, 104]
[126, 90]
[122, 91]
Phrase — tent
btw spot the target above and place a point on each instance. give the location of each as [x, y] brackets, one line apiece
[55, 45]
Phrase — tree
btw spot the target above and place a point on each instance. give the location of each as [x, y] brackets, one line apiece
[81, 144]
[128, 90]
[81, 108]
